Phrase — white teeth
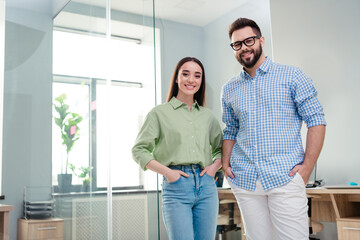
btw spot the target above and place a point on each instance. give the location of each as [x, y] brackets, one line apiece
[246, 54]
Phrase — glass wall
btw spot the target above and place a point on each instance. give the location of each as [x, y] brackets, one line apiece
[104, 83]
[2, 48]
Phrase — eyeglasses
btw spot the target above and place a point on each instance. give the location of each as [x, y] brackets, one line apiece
[248, 42]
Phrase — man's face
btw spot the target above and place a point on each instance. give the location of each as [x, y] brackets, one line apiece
[247, 55]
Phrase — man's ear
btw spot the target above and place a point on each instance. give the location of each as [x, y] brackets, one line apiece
[262, 41]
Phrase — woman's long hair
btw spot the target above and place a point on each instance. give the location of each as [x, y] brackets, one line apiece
[174, 88]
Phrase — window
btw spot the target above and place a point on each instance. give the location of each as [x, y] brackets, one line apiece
[111, 84]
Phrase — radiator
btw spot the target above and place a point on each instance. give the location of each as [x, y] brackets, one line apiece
[129, 215]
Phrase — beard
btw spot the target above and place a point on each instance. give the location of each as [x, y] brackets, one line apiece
[250, 63]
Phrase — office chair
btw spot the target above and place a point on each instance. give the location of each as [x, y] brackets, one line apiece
[226, 218]
[314, 226]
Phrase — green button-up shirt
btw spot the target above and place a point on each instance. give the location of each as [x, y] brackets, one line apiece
[173, 135]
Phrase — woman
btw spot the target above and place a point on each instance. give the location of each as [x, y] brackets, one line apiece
[181, 140]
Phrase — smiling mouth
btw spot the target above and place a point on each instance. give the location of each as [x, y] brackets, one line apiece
[246, 54]
[190, 87]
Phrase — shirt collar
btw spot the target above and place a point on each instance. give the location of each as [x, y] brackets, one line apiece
[176, 103]
[264, 67]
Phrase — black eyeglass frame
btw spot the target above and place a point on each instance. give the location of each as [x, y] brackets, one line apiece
[243, 42]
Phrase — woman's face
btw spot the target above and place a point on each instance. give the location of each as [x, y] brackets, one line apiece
[189, 79]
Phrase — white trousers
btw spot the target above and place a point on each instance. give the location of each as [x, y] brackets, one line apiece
[279, 213]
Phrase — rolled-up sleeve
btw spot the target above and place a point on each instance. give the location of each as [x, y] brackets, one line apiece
[215, 139]
[229, 119]
[142, 151]
[307, 103]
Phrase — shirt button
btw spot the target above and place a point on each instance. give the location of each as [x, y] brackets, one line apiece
[192, 136]
[193, 150]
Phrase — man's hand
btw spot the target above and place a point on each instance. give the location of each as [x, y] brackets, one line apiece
[228, 172]
[227, 147]
[314, 142]
[304, 172]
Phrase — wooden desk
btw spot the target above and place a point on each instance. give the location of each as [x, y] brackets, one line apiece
[329, 205]
[337, 205]
[4, 221]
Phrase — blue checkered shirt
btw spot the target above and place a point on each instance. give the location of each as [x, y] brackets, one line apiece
[264, 115]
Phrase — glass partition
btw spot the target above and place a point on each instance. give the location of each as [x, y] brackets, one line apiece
[2, 48]
[103, 86]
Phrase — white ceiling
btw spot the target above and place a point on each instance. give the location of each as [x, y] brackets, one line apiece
[194, 12]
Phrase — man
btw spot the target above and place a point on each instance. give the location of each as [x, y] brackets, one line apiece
[263, 156]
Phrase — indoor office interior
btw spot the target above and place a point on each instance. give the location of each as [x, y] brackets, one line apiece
[105, 63]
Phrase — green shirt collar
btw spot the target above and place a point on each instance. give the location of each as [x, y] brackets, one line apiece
[176, 103]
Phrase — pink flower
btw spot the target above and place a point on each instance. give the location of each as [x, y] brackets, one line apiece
[72, 130]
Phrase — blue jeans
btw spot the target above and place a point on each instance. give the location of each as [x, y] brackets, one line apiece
[190, 205]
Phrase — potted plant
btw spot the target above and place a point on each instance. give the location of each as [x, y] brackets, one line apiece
[69, 129]
[84, 175]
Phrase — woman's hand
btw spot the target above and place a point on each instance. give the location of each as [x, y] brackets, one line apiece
[171, 175]
[212, 169]
[174, 175]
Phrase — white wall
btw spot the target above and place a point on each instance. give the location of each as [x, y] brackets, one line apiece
[321, 37]
[219, 60]
[177, 41]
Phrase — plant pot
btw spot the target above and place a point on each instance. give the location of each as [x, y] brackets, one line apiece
[64, 182]
[85, 188]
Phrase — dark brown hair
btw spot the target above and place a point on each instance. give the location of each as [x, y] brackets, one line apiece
[174, 88]
[244, 22]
